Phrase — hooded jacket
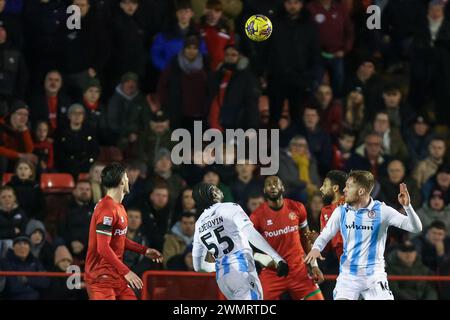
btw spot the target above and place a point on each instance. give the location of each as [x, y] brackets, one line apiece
[23, 288]
[43, 251]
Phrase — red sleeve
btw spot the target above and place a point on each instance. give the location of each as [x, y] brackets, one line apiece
[27, 141]
[302, 216]
[254, 217]
[134, 246]
[323, 223]
[104, 225]
[9, 153]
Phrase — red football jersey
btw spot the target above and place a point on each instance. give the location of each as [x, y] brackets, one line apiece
[107, 241]
[281, 229]
[325, 214]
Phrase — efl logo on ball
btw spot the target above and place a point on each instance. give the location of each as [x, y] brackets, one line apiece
[258, 27]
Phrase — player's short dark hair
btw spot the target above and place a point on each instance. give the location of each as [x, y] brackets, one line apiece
[337, 177]
[363, 178]
[112, 175]
[437, 224]
[202, 194]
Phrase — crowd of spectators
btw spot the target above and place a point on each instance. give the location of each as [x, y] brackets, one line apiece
[342, 95]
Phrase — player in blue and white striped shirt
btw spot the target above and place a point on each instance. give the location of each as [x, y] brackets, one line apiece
[363, 223]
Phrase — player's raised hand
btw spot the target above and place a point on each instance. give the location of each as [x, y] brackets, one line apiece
[282, 269]
[403, 196]
[133, 280]
[155, 255]
[313, 255]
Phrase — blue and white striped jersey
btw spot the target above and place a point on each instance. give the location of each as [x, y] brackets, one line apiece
[219, 231]
[364, 234]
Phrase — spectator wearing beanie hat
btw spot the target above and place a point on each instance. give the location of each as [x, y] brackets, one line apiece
[184, 87]
[417, 138]
[58, 289]
[434, 209]
[92, 91]
[440, 181]
[76, 147]
[15, 138]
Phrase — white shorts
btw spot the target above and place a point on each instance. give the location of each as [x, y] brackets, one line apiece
[375, 287]
[237, 285]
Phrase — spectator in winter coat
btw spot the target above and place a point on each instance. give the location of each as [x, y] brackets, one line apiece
[167, 45]
[127, 111]
[417, 137]
[292, 59]
[434, 209]
[13, 219]
[331, 113]
[74, 225]
[92, 91]
[76, 146]
[246, 183]
[336, 38]
[179, 238]
[12, 24]
[184, 87]
[235, 95]
[14, 80]
[51, 103]
[428, 167]
[216, 32]
[406, 261]
[440, 181]
[58, 289]
[43, 147]
[40, 248]
[342, 150]
[15, 138]
[28, 192]
[19, 258]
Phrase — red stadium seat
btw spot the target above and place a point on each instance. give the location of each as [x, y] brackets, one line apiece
[57, 183]
[6, 178]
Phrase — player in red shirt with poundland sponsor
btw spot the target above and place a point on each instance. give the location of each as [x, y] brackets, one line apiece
[332, 191]
[283, 223]
[107, 277]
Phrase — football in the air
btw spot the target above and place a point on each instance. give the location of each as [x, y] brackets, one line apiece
[258, 27]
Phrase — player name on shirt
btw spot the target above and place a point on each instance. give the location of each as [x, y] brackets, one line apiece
[210, 224]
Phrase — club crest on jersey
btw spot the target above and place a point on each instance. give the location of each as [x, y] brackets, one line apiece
[371, 214]
[269, 222]
[107, 221]
[292, 216]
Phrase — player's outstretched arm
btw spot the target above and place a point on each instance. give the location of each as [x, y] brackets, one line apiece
[411, 222]
[150, 253]
[258, 241]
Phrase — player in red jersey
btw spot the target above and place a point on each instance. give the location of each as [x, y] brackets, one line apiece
[107, 277]
[333, 195]
[282, 222]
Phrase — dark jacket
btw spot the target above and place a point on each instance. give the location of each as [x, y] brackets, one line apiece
[75, 225]
[130, 42]
[39, 107]
[184, 95]
[86, 48]
[43, 251]
[14, 29]
[149, 143]
[11, 220]
[417, 146]
[409, 290]
[29, 196]
[319, 143]
[239, 108]
[14, 79]
[156, 223]
[293, 50]
[77, 150]
[428, 252]
[23, 288]
[241, 191]
[389, 192]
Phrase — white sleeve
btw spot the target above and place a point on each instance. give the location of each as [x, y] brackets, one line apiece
[199, 253]
[257, 240]
[240, 218]
[329, 231]
[409, 222]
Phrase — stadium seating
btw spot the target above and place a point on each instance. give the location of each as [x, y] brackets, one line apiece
[57, 183]
[6, 178]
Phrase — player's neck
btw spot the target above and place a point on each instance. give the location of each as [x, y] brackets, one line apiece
[362, 203]
[115, 194]
[276, 204]
[337, 198]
